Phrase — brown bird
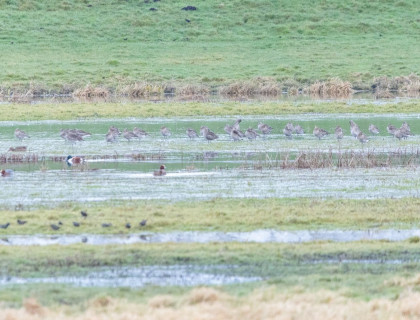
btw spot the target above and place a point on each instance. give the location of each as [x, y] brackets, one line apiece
[339, 133]
[160, 172]
[20, 134]
[320, 133]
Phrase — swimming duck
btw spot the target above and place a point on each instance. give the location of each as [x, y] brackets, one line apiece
[6, 172]
[160, 172]
[71, 161]
[20, 134]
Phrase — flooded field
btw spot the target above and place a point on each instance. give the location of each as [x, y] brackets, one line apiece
[197, 169]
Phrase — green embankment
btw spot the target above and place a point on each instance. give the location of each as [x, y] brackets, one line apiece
[61, 45]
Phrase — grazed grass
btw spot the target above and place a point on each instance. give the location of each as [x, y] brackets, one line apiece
[220, 215]
[51, 45]
[289, 268]
[68, 111]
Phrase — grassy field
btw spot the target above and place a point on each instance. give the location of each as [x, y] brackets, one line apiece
[221, 215]
[80, 111]
[67, 44]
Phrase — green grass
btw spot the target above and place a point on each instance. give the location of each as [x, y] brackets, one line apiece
[221, 215]
[69, 111]
[284, 266]
[64, 44]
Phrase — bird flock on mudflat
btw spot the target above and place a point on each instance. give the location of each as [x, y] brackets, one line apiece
[113, 135]
[76, 224]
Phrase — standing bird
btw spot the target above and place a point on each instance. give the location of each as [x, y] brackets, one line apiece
[84, 214]
[391, 129]
[228, 128]
[54, 227]
[264, 128]
[299, 129]
[320, 133]
[235, 135]
[128, 135]
[139, 133]
[251, 134]
[208, 134]
[354, 129]
[20, 134]
[143, 222]
[71, 161]
[288, 130]
[339, 133]
[362, 137]
[373, 129]
[160, 172]
[4, 226]
[165, 132]
[236, 124]
[21, 222]
[405, 130]
[191, 133]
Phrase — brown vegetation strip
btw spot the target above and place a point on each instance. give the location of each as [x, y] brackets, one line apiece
[209, 303]
[383, 87]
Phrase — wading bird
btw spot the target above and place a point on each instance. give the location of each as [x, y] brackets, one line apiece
[320, 133]
[160, 172]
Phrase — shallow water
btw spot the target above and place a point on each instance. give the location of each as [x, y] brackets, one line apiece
[175, 275]
[198, 169]
[257, 236]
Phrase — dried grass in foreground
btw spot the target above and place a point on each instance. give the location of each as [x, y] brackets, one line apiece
[208, 303]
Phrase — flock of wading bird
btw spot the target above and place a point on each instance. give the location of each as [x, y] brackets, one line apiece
[113, 135]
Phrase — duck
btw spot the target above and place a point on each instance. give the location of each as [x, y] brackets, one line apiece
[264, 128]
[191, 133]
[373, 129]
[251, 134]
[7, 172]
[320, 133]
[165, 132]
[160, 172]
[71, 161]
[339, 133]
[20, 134]
[208, 134]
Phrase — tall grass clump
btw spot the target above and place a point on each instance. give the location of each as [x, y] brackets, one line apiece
[143, 89]
[259, 85]
[334, 87]
[90, 91]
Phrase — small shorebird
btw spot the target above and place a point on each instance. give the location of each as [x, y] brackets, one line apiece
[235, 135]
[191, 133]
[165, 132]
[339, 133]
[111, 137]
[140, 133]
[71, 161]
[362, 137]
[160, 172]
[6, 172]
[228, 128]
[236, 124]
[251, 134]
[208, 134]
[354, 129]
[391, 129]
[320, 133]
[373, 129]
[405, 130]
[129, 135]
[264, 128]
[299, 129]
[288, 130]
[20, 134]
[203, 130]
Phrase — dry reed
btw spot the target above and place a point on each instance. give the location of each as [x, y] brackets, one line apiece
[260, 85]
[90, 91]
[334, 87]
[143, 89]
[264, 303]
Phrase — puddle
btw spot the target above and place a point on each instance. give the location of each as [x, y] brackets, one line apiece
[175, 275]
[257, 236]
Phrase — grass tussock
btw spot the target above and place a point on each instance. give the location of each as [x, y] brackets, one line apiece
[143, 89]
[264, 303]
[192, 90]
[257, 86]
[410, 83]
[90, 91]
[334, 87]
